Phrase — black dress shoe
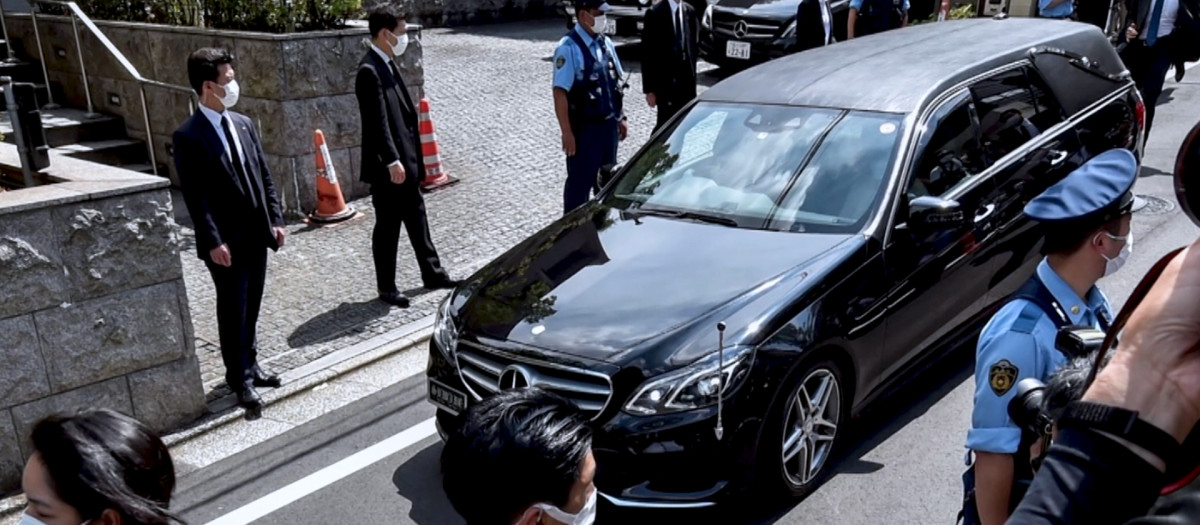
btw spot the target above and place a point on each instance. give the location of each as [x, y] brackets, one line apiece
[441, 284]
[248, 398]
[394, 298]
[265, 380]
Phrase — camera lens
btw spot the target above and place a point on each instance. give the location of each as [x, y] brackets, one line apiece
[1187, 175]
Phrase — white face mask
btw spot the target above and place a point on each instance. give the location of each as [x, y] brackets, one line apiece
[26, 519]
[585, 516]
[599, 24]
[1113, 265]
[400, 45]
[232, 91]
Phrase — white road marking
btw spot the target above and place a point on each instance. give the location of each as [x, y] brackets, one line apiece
[328, 475]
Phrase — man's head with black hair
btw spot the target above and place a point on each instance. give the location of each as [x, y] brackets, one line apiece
[520, 457]
[387, 26]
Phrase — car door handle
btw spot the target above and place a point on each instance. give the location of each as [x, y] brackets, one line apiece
[1058, 157]
[984, 212]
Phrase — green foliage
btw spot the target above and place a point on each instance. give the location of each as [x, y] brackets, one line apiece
[272, 16]
[958, 11]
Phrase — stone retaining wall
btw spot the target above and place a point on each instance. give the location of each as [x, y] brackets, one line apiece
[93, 310]
[465, 12]
[291, 84]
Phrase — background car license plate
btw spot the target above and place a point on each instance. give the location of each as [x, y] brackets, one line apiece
[735, 49]
[610, 28]
[446, 397]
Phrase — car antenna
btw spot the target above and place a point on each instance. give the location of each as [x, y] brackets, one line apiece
[720, 430]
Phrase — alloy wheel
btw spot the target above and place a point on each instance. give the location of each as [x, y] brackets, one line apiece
[810, 427]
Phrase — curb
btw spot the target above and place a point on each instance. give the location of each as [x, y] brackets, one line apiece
[225, 411]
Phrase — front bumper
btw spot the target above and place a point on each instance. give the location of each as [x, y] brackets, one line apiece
[666, 461]
[713, 46]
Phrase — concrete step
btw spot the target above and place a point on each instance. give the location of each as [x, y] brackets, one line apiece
[114, 152]
[65, 126]
[147, 168]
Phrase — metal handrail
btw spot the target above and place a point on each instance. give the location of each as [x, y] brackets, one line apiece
[78, 14]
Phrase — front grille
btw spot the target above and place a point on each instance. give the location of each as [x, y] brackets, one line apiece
[726, 23]
[481, 369]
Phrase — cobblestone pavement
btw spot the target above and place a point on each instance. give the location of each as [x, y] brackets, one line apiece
[489, 88]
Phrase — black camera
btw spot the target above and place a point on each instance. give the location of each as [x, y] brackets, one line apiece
[1025, 409]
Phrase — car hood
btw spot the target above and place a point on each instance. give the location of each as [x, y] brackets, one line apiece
[780, 9]
[595, 284]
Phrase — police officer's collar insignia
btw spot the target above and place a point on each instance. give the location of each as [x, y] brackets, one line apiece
[1074, 309]
[1002, 376]
[558, 64]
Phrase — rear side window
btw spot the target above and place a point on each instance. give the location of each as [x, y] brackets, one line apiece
[1008, 113]
[950, 153]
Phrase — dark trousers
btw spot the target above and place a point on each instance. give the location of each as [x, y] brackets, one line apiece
[1148, 66]
[239, 298]
[668, 106]
[595, 146]
[396, 206]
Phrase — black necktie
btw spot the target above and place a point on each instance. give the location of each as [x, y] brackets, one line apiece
[239, 165]
[400, 84]
[679, 27]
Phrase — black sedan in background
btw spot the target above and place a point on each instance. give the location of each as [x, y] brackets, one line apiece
[848, 213]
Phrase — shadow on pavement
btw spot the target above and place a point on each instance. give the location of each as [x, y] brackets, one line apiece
[419, 480]
[1148, 171]
[330, 325]
[549, 29]
[873, 427]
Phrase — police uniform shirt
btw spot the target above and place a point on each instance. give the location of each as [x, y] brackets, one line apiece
[857, 5]
[568, 58]
[1017, 343]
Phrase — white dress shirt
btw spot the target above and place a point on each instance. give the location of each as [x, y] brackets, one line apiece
[1170, 11]
[215, 118]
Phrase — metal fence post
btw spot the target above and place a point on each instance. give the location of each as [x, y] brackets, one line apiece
[7, 43]
[149, 132]
[87, 91]
[42, 56]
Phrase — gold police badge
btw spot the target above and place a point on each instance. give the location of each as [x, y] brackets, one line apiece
[1002, 376]
[562, 61]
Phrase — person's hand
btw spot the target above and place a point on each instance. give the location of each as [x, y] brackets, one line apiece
[397, 173]
[280, 236]
[568, 140]
[622, 130]
[220, 255]
[1131, 32]
[1156, 368]
[651, 100]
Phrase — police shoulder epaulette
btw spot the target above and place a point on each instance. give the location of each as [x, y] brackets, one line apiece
[1028, 318]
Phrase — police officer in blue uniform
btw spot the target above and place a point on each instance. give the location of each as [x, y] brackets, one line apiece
[868, 17]
[588, 93]
[1086, 217]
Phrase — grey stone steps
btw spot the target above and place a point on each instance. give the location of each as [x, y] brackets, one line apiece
[145, 167]
[114, 152]
[65, 126]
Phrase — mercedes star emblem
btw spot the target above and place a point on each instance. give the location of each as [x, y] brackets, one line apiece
[740, 29]
[514, 377]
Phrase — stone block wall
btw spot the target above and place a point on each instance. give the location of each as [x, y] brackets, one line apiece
[465, 12]
[93, 310]
[291, 85]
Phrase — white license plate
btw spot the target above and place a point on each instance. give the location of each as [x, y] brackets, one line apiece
[610, 28]
[735, 49]
[446, 397]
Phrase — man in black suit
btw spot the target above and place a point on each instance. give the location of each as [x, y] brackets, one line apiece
[669, 40]
[229, 193]
[391, 159]
[1155, 33]
[814, 24]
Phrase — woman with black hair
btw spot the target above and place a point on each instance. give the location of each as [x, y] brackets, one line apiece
[98, 467]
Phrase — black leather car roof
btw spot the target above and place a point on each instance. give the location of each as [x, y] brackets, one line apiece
[898, 71]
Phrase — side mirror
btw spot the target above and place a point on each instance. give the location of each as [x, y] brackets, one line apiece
[1187, 175]
[934, 213]
[606, 175]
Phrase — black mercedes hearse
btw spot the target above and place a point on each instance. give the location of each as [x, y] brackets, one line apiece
[850, 214]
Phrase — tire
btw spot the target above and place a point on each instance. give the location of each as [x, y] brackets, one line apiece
[793, 437]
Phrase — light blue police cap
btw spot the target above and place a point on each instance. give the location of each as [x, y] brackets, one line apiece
[1099, 191]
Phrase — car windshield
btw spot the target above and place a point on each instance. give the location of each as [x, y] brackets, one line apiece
[764, 167]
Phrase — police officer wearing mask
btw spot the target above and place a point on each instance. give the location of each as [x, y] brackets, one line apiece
[1087, 223]
[588, 84]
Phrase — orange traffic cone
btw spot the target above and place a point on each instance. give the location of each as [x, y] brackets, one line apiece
[435, 175]
[331, 206]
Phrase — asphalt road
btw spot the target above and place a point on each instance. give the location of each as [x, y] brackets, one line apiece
[375, 461]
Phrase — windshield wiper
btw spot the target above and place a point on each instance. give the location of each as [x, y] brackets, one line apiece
[686, 215]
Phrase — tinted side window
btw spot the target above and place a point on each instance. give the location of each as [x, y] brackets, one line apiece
[950, 154]
[1048, 111]
[1007, 110]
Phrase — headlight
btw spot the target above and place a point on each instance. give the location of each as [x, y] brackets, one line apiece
[791, 30]
[695, 386]
[706, 21]
[445, 333]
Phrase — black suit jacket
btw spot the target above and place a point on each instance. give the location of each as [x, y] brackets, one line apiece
[389, 123]
[810, 25]
[221, 210]
[668, 70]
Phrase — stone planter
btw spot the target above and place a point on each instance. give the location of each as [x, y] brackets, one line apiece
[291, 84]
[94, 310]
